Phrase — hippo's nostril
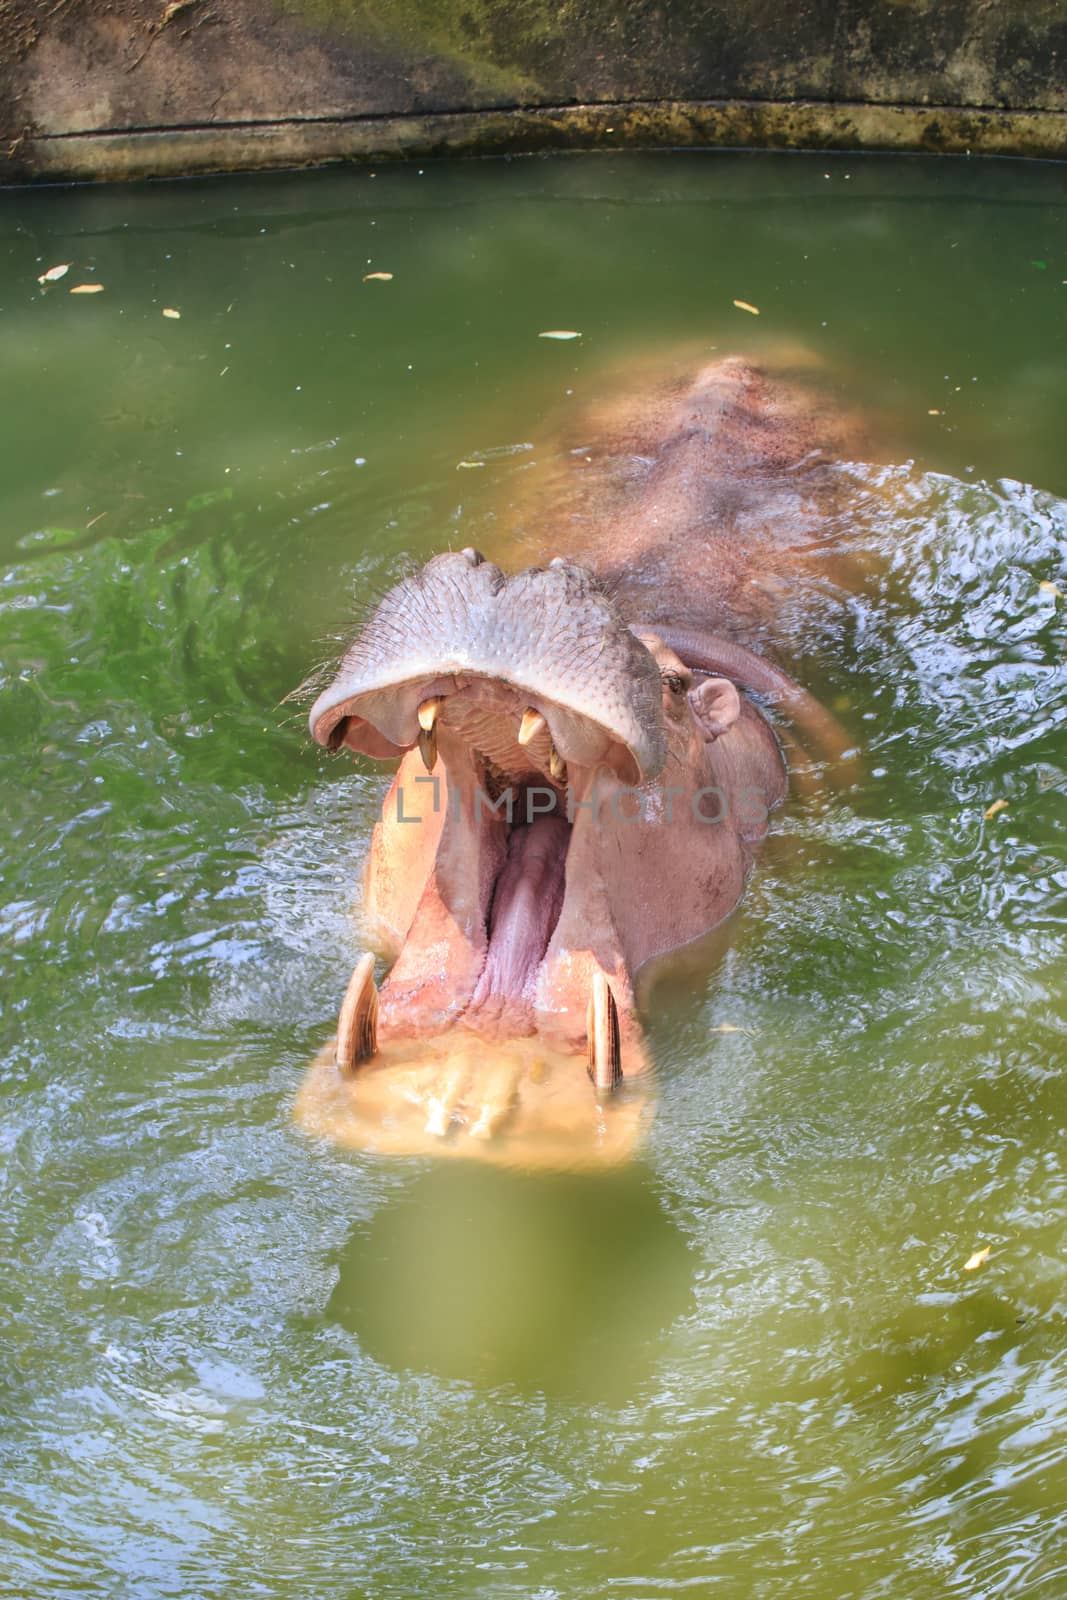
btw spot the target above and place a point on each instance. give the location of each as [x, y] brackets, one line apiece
[475, 557]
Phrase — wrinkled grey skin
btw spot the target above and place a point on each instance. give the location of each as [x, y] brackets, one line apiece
[551, 631]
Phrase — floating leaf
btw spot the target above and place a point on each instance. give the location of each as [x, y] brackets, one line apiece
[87, 288]
[1046, 586]
[377, 277]
[169, 311]
[997, 806]
[54, 273]
[974, 1262]
[559, 333]
[743, 305]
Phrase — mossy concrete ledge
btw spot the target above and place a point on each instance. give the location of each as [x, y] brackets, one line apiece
[150, 88]
[169, 152]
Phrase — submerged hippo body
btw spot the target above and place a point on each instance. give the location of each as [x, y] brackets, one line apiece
[583, 775]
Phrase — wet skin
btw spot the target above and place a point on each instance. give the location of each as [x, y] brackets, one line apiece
[586, 766]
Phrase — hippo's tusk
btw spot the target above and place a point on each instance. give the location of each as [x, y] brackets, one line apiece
[427, 730]
[357, 1025]
[475, 557]
[602, 1024]
[429, 711]
[531, 725]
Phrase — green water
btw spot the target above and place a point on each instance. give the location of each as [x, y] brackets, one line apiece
[235, 1363]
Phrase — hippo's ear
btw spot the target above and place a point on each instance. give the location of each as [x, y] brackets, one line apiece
[716, 705]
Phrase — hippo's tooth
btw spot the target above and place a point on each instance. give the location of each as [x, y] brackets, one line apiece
[557, 767]
[531, 725]
[602, 1023]
[357, 1025]
[428, 747]
[439, 1120]
[500, 1102]
[428, 712]
[444, 1105]
[475, 557]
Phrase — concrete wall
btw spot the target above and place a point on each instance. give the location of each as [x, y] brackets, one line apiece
[130, 88]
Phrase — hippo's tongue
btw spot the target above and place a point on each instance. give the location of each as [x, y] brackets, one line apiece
[527, 900]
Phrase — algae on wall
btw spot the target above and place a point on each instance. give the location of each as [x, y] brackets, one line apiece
[962, 52]
[190, 80]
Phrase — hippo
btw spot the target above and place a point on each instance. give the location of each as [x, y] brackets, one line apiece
[591, 746]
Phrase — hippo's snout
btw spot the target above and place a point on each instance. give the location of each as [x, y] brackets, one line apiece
[565, 666]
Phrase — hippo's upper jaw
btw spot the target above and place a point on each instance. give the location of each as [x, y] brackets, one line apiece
[549, 633]
[545, 834]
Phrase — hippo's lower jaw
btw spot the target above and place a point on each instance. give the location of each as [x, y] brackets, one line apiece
[494, 1013]
[520, 1103]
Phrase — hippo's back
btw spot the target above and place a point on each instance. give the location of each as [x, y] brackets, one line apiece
[697, 500]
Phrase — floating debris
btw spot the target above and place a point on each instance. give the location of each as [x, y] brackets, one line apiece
[560, 333]
[87, 288]
[169, 311]
[1046, 586]
[743, 305]
[975, 1261]
[933, 412]
[498, 452]
[54, 273]
[469, 464]
[994, 809]
[377, 277]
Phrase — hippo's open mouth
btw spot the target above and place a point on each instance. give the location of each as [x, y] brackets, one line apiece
[517, 705]
[509, 802]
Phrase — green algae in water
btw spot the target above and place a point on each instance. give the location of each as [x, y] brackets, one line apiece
[234, 1362]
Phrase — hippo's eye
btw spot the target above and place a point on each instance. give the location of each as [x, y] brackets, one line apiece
[674, 683]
